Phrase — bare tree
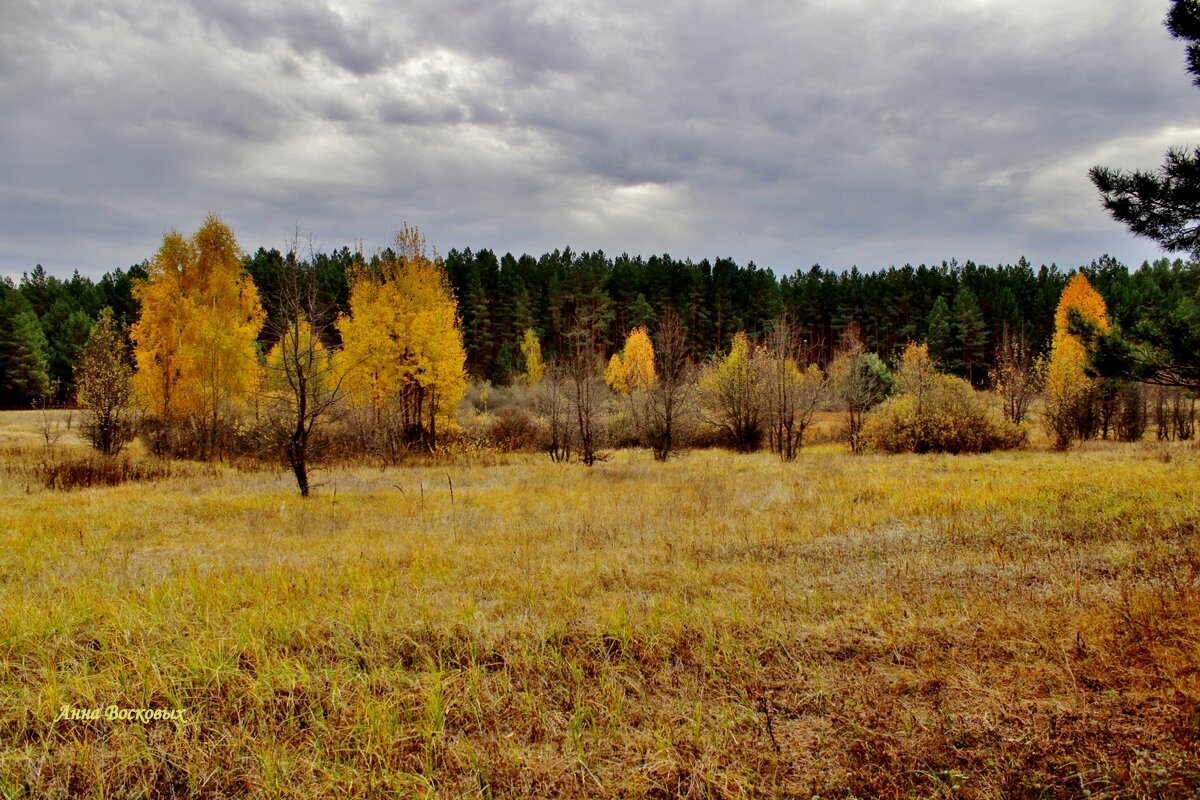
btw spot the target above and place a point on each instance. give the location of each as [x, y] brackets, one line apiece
[303, 384]
[861, 380]
[671, 394]
[1017, 375]
[53, 424]
[794, 387]
[554, 405]
[585, 373]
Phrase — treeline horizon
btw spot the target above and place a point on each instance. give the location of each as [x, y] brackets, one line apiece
[962, 310]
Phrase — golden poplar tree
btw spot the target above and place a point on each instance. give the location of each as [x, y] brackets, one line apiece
[194, 341]
[404, 338]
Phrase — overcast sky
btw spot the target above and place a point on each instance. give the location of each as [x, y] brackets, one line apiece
[789, 133]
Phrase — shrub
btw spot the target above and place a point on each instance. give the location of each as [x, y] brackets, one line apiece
[731, 398]
[513, 428]
[96, 470]
[1132, 415]
[950, 417]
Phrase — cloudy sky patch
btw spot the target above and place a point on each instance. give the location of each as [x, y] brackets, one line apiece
[787, 133]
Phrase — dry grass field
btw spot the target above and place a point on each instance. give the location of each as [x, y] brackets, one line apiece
[1016, 625]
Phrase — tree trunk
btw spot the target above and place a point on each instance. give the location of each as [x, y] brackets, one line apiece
[297, 448]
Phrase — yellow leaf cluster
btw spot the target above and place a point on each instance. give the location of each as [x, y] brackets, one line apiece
[194, 341]
[735, 369]
[402, 338]
[633, 368]
[297, 351]
[531, 349]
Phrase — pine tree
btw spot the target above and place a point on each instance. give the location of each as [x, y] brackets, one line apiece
[938, 334]
[67, 332]
[641, 313]
[970, 335]
[27, 361]
[1162, 205]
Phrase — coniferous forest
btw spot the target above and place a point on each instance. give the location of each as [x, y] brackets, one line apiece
[961, 310]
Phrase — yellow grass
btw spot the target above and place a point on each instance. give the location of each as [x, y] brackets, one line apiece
[1023, 624]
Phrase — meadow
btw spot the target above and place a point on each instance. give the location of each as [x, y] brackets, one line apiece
[1021, 624]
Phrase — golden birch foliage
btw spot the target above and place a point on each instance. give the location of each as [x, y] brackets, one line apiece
[734, 369]
[638, 360]
[1068, 355]
[531, 349]
[194, 341]
[368, 345]
[297, 345]
[633, 368]
[159, 331]
[731, 386]
[403, 338]
[614, 375]
[917, 373]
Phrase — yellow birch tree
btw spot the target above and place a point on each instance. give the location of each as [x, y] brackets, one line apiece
[195, 339]
[404, 336]
[630, 374]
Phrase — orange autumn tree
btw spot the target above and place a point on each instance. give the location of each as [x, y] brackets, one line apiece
[1068, 388]
[194, 343]
[404, 337]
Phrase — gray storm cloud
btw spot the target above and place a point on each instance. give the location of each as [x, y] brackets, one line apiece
[787, 133]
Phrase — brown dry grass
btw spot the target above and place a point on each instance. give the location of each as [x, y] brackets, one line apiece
[1013, 625]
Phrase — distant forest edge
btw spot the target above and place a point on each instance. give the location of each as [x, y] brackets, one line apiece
[961, 310]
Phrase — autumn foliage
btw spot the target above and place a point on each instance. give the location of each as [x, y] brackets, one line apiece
[1068, 388]
[531, 352]
[194, 343]
[732, 397]
[104, 386]
[934, 412]
[632, 369]
[403, 348]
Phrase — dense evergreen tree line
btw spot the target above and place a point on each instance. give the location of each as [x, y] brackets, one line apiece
[44, 324]
[962, 310]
